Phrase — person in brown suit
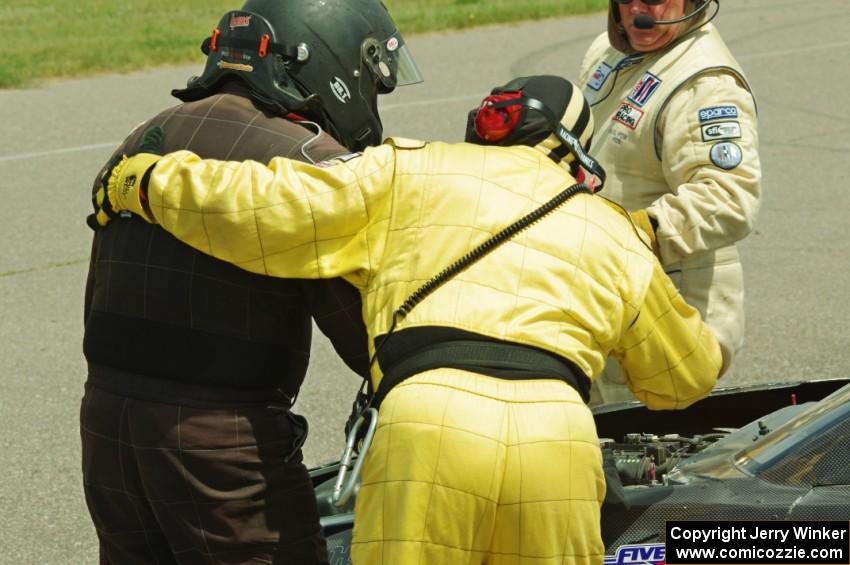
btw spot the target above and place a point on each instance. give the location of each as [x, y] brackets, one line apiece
[190, 450]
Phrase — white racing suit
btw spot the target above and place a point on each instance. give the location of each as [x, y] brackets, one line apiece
[465, 467]
[676, 133]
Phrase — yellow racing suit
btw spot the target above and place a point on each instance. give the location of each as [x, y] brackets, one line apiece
[676, 132]
[465, 467]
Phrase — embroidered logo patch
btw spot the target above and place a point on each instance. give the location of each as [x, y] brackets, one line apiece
[645, 88]
[628, 115]
[721, 130]
[600, 75]
[726, 155]
[718, 113]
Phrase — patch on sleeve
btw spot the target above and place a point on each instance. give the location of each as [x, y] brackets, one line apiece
[721, 130]
[600, 75]
[726, 155]
[645, 88]
[628, 115]
[718, 113]
[338, 159]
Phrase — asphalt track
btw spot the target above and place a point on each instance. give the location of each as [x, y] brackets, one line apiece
[54, 138]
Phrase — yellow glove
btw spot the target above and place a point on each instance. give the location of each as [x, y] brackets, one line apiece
[642, 221]
[123, 182]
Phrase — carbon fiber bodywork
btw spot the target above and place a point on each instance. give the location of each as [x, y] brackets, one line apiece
[793, 463]
[772, 452]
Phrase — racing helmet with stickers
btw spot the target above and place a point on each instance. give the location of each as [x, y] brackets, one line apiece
[546, 112]
[326, 61]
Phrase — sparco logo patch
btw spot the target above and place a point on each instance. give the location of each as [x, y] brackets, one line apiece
[721, 130]
[645, 88]
[628, 115]
[239, 21]
[340, 90]
[718, 113]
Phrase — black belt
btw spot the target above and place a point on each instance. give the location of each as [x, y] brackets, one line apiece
[143, 387]
[510, 361]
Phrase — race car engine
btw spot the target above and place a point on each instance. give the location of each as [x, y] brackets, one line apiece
[644, 459]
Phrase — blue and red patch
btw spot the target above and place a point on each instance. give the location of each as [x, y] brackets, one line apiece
[644, 89]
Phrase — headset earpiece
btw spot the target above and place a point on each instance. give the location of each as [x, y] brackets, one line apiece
[497, 116]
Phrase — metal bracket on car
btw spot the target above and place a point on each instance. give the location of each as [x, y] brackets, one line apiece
[344, 488]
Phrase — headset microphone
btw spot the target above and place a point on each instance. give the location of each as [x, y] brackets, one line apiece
[645, 21]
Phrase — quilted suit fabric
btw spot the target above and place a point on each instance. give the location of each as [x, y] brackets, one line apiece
[465, 468]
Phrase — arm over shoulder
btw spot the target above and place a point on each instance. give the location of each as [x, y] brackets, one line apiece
[286, 219]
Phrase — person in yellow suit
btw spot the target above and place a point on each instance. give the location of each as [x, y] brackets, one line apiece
[485, 451]
[677, 134]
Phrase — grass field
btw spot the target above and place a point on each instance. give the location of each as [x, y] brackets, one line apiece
[43, 39]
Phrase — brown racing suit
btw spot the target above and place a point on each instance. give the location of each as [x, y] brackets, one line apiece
[190, 451]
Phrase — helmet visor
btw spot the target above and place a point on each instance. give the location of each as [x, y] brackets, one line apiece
[407, 71]
[390, 63]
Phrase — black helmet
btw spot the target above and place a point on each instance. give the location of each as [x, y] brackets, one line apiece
[547, 112]
[327, 61]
